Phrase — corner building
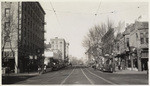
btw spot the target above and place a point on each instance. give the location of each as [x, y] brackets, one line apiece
[28, 35]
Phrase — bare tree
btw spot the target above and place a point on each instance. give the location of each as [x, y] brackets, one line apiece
[92, 41]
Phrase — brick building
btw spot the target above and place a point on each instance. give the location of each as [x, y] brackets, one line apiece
[24, 45]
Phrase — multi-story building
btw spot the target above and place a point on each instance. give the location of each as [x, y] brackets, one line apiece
[138, 42]
[22, 34]
[59, 44]
[67, 52]
[133, 46]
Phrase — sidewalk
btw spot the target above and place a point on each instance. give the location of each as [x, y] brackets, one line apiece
[22, 74]
[130, 72]
[13, 78]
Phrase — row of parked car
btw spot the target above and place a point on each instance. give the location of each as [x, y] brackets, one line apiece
[55, 64]
[107, 66]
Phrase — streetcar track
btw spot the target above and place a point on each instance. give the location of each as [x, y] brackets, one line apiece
[101, 77]
[87, 77]
[54, 76]
[67, 77]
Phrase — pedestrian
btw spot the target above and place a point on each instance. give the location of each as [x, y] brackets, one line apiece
[39, 69]
[45, 69]
[94, 66]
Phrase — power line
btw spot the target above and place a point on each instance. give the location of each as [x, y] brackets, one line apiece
[98, 8]
[115, 11]
[55, 14]
[97, 11]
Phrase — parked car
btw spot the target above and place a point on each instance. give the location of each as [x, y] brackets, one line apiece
[108, 65]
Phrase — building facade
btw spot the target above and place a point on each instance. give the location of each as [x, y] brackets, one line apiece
[138, 43]
[132, 48]
[22, 35]
[60, 45]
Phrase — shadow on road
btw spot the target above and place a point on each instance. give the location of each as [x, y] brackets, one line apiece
[9, 79]
[14, 79]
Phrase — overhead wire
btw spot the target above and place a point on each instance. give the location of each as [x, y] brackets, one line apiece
[55, 15]
[115, 11]
[97, 11]
[95, 14]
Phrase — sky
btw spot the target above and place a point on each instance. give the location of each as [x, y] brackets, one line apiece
[73, 18]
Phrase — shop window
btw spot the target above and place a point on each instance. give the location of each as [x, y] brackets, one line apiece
[146, 40]
[146, 37]
[144, 54]
[142, 38]
[127, 42]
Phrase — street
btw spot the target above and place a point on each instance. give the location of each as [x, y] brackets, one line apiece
[83, 75]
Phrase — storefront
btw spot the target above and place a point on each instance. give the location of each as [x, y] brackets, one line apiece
[144, 59]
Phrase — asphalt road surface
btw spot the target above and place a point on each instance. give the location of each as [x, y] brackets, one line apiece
[81, 75]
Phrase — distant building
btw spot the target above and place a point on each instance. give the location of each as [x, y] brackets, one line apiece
[60, 45]
[67, 52]
[22, 35]
[67, 49]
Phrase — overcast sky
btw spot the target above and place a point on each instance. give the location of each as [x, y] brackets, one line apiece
[75, 18]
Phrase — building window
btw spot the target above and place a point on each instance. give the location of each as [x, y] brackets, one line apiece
[8, 54]
[142, 38]
[7, 12]
[60, 46]
[118, 46]
[146, 37]
[25, 18]
[56, 46]
[144, 54]
[146, 40]
[7, 25]
[128, 42]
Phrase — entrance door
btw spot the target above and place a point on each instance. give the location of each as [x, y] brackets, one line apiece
[144, 63]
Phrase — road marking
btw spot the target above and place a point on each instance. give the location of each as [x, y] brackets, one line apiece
[101, 77]
[67, 77]
[87, 77]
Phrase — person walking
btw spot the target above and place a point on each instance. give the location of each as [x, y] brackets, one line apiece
[39, 69]
[45, 69]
